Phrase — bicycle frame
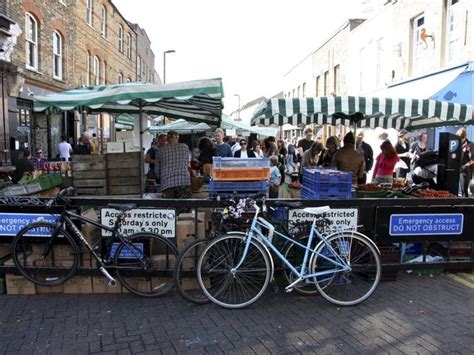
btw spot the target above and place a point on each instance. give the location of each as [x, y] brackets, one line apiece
[255, 232]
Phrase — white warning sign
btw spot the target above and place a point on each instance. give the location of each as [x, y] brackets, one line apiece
[329, 222]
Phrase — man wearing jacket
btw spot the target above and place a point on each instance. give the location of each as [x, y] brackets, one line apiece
[365, 150]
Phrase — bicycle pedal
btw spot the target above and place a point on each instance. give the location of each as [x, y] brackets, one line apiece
[112, 283]
[288, 290]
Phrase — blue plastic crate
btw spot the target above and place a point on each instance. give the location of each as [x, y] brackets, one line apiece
[218, 186]
[330, 193]
[233, 163]
[329, 176]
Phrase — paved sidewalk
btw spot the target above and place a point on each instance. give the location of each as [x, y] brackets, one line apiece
[416, 314]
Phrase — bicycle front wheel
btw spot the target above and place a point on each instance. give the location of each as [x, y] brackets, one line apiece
[184, 275]
[347, 288]
[42, 259]
[233, 288]
[144, 264]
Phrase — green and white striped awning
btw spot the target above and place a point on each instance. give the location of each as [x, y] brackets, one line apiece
[198, 101]
[363, 111]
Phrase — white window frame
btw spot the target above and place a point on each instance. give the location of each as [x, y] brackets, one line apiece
[88, 69]
[57, 55]
[120, 78]
[31, 41]
[103, 21]
[104, 71]
[96, 71]
[120, 38]
[417, 44]
[90, 12]
[454, 21]
[129, 46]
[139, 68]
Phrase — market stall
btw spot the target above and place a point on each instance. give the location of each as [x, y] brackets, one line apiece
[194, 101]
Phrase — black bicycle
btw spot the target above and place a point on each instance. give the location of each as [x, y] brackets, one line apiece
[48, 254]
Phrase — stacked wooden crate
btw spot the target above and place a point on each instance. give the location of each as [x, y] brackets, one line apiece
[123, 171]
[89, 174]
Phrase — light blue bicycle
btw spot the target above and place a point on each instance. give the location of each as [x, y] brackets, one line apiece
[235, 270]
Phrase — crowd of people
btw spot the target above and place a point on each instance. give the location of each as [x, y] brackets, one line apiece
[350, 154]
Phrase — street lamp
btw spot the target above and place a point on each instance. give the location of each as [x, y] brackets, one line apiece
[164, 63]
[238, 113]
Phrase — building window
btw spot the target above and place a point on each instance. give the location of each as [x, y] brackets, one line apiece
[304, 90]
[139, 68]
[326, 83]
[129, 80]
[57, 56]
[455, 21]
[418, 25]
[103, 21]
[24, 117]
[120, 39]
[293, 93]
[129, 46]
[96, 71]
[120, 78]
[318, 85]
[90, 12]
[31, 26]
[104, 71]
[337, 79]
[298, 91]
[88, 69]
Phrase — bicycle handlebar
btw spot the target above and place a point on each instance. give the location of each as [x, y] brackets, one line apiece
[61, 197]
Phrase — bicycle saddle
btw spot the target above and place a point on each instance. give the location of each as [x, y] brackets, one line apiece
[122, 207]
[317, 210]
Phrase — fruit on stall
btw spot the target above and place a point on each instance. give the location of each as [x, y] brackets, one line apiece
[430, 193]
[294, 185]
[368, 187]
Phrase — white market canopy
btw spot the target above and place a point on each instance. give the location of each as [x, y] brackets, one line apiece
[363, 112]
[229, 122]
[197, 101]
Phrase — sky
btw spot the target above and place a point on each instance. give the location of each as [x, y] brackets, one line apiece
[250, 44]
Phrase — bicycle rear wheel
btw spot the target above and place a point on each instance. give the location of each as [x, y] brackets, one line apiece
[347, 288]
[184, 275]
[44, 260]
[144, 264]
[233, 289]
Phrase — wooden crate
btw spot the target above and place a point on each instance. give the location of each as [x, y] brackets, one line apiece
[123, 171]
[89, 174]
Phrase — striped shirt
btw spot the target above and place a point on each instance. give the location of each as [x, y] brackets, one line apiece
[172, 163]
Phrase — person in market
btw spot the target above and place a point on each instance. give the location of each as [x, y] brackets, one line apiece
[94, 144]
[64, 149]
[207, 150]
[384, 164]
[311, 156]
[347, 159]
[332, 146]
[305, 143]
[84, 146]
[223, 149]
[465, 174]
[426, 168]
[291, 158]
[172, 163]
[365, 150]
[235, 147]
[22, 166]
[244, 152]
[271, 148]
[38, 160]
[403, 150]
[257, 149]
[282, 153]
[275, 177]
[420, 146]
[150, 155]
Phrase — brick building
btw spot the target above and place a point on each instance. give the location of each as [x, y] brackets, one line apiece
[145, 57]
[65, 44]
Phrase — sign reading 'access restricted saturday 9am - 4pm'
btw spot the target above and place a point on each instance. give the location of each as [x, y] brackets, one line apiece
[426, 224]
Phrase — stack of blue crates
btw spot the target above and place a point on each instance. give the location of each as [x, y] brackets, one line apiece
[231, 181]
[326, 184]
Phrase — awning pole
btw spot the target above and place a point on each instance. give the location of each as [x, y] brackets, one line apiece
[142, 160]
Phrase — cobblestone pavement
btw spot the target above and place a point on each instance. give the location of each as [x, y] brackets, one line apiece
[416, 314]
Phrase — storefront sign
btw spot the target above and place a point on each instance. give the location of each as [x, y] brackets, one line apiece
[426, 224]
[12, 223]
[335, 219]
[159, 221]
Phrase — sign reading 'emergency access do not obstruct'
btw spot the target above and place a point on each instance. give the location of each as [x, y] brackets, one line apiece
[159, 221]
[426, 224]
